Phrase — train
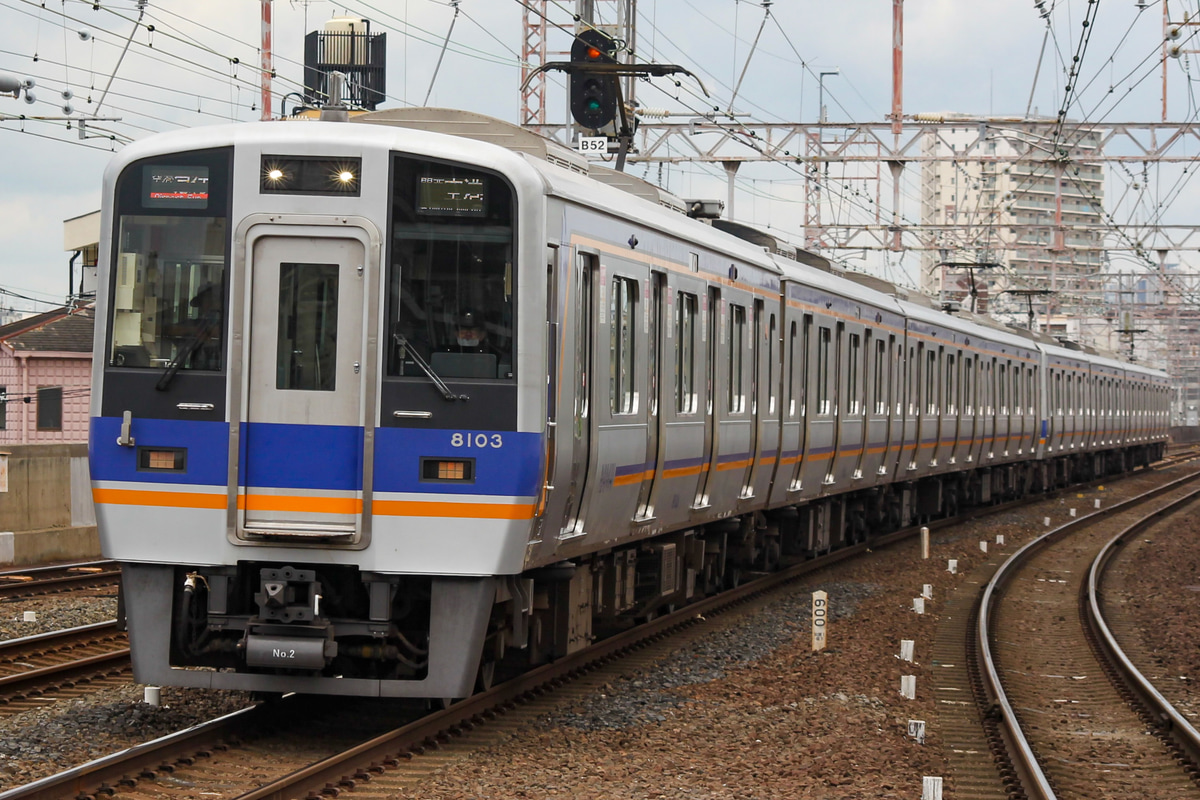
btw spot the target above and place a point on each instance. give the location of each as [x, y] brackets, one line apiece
[388, 406]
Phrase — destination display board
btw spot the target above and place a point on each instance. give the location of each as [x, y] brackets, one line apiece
[175, 187]
[456, 197]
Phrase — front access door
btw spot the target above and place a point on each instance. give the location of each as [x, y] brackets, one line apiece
[302, 454]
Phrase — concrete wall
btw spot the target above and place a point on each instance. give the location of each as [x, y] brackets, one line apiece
[47, 514]
[1185, 434]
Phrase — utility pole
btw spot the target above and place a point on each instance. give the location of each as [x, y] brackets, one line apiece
[268, 67]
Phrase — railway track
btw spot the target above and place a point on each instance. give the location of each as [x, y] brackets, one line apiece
[1064, 713]
[253, 749]
[57, 578]
[37, 669]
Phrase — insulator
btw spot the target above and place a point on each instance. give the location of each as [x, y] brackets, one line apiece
[653, 113]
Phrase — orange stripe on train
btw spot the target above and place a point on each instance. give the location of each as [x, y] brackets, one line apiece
[422, 508]
[142, 497]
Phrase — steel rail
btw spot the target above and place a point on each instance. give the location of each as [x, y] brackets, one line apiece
[1033, 779]
[15, 571]
[100, 775]
[1173, 723]
[19, 588]
[52, 636]
[340, 770]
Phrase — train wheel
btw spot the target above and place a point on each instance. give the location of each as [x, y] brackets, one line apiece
[486, 677]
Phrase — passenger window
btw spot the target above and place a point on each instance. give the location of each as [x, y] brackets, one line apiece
[736, 396]
[968, 387]
[880, 401]
[622, 313]
[852, 367]
[824, 401]
[791, 378]
[915, 359]
[951, 404]
[772, 389]
[685, 353]
[931, 372]
[306, 353]
[804, 355]
[1002, 384]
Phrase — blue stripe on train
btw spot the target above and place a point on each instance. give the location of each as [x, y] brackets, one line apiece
[282, 456]
[207, 446]
[513, 468]
[320, 456]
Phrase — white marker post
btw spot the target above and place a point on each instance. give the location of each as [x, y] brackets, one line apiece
[1072, 512]
[952, 566]
[924, 542]
[1000, 539]
[820, 619]
[919, 605]
[983, 546]
[1097, 502]
[908, 687]
[931, 788]
[1046, 521]
[927, 591]
[916, 729]
[907, 648]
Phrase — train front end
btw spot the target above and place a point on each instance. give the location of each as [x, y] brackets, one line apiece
[315, 444]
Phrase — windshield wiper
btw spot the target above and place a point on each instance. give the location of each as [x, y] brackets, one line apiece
[406, 351]
[193, 343]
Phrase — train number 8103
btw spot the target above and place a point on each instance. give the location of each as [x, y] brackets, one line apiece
[476, 440]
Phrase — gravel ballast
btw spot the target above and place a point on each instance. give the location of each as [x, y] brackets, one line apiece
[747, 711]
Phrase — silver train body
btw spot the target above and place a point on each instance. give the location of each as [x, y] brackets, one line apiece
[380, 405]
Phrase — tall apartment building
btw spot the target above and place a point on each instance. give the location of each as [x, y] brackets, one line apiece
[1003, 180]
[1038, 226]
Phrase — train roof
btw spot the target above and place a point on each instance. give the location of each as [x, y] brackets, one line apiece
[488, 142]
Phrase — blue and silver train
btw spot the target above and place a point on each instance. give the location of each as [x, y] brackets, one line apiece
[380, 405]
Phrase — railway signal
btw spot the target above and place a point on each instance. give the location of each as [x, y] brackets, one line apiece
[593, 95]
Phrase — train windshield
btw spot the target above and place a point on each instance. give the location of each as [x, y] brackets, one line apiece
[451, 278]
[168, 272]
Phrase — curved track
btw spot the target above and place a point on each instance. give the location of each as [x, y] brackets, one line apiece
[1067, 720]
[253, 749]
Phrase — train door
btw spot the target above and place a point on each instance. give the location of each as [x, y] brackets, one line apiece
[947, 407]
[756, 401]
[655, 352]
[912, 408]
[851, 429]
[894, 401]
[552, 507]
[618, 448]
[583, 331]
[928, 434]
[305, 453]
[822, 386]
[796, 428]
[712, 329]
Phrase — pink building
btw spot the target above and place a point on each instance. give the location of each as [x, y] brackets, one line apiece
[45, 377]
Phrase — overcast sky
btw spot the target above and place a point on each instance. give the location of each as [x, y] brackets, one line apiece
[969, 56]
